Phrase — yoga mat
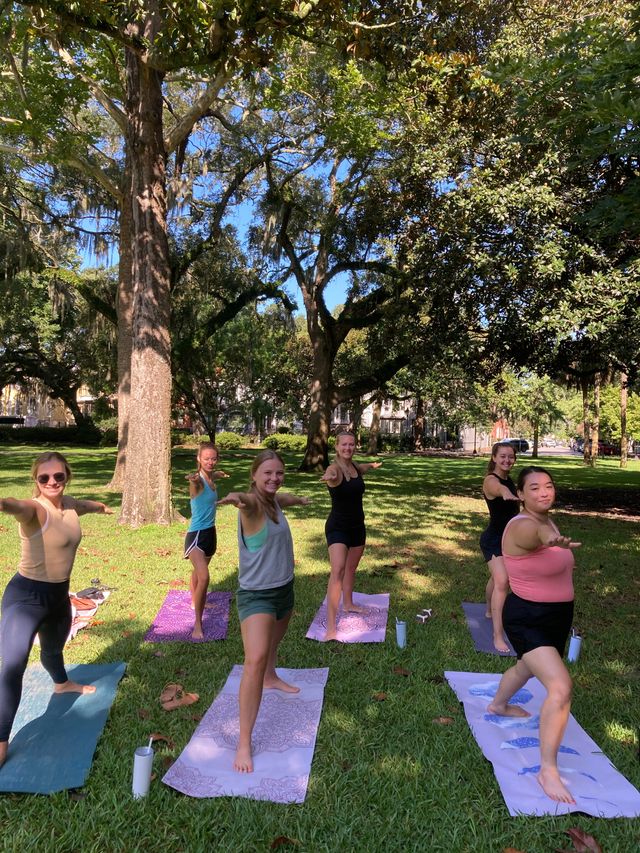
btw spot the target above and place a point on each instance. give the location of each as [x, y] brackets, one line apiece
[512, 745]
[174, 621]
[369, 627]
[54, 736]
[481, 630]
[283, 741]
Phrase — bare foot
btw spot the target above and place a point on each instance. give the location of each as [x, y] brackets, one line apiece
[487, 614]
[4, 745]
[73, 687]
[507, 710]
[275, 683]
[197, 634]
[500, 645]
[554, 785]
[355, 608]
[330, 635]
[243, 761]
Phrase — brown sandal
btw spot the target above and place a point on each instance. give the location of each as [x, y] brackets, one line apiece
[173, 696]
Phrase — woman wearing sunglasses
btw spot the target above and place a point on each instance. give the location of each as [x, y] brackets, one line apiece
[36, 599]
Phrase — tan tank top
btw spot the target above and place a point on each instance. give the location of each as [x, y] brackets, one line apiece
[49, 553]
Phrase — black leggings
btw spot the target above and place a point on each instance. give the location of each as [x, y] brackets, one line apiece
[30, 608]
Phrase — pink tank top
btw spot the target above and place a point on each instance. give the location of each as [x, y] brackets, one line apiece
[544, 575]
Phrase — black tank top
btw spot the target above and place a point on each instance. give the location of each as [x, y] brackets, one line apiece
[500, 510]
[346, 503]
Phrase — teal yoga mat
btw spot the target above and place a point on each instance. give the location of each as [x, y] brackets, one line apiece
[54, 736]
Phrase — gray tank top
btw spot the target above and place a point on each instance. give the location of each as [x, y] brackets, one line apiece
[272, 565]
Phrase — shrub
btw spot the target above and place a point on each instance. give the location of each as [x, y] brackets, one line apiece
[108, 431]
[228, 440]
[57, 436]
[285, 441]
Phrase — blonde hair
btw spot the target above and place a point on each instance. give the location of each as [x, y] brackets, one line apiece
[206, 445]
[49, 456]
[267, 505]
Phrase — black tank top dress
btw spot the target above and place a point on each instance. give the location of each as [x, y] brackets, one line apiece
[346, 519]
[500, 513]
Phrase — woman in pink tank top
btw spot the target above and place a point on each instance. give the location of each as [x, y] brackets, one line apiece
[537, 618]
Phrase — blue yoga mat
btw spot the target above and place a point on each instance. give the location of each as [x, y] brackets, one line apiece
[54, 736]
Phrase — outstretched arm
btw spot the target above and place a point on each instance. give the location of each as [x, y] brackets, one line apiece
[85, 507]
[23, 511]
[287, 499]
[363, 467]
[218, 475]
[493, 488]
[331, 476]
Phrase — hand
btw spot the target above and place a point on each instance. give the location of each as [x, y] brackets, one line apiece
[192, 478]
[233, 499]
[375, 464]
[106, 510]
[221, 474]
[562, 542]
[305, 501]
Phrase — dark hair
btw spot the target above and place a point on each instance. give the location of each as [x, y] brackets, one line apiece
[491, 466]
[526, 472]
[49, 456]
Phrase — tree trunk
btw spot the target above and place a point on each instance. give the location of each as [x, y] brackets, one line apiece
[356, 422]
[624, 439]
[536, 439]
[374, 431]
[418, 426]
[316, 456]
[595, 420]
[586, 420]
[147, 489]
[124, 308]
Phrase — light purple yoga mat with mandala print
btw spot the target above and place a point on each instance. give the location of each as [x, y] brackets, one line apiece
[283, 742]
[512, 745]
[369, 627]
[174, 622]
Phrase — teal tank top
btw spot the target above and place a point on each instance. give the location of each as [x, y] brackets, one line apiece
[203, 508]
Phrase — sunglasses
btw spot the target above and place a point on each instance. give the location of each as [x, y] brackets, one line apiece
[58, 477]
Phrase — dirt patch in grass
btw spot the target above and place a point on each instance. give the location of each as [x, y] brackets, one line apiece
[621, 503]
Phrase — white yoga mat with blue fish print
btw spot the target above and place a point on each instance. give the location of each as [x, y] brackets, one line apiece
[512, 745]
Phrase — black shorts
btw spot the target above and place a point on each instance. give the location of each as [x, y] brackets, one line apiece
[204, 540]
[532, 624]
[352, 537]
[490, 544]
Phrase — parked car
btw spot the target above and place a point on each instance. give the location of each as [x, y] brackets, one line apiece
[605, 448]
[520, 445]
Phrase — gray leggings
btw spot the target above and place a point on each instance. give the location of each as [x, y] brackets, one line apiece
[30, 608]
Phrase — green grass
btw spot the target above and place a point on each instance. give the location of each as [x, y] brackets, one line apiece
[385, 777]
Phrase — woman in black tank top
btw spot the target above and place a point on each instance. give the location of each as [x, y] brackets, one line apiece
[499, 492]
[345, 530]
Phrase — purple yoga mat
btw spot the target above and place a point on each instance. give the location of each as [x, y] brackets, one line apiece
[481, 630]
[174, 621]
[369, 627]
[512, 745]
[283, 742]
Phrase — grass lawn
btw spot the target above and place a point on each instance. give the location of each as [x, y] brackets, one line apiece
[385, 776]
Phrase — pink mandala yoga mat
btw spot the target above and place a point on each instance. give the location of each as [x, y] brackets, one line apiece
[174, 622]
[512, 745]
[369, 627]
[283, 743]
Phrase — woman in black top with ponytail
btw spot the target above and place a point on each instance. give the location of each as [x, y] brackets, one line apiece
[499, 492]
[345, 530]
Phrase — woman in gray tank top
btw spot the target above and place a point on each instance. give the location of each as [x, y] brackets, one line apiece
[265, 594]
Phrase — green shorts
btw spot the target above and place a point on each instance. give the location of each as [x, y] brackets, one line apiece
[277, 602]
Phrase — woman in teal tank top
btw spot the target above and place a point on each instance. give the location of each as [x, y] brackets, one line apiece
[265, 596]
[200, 541]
